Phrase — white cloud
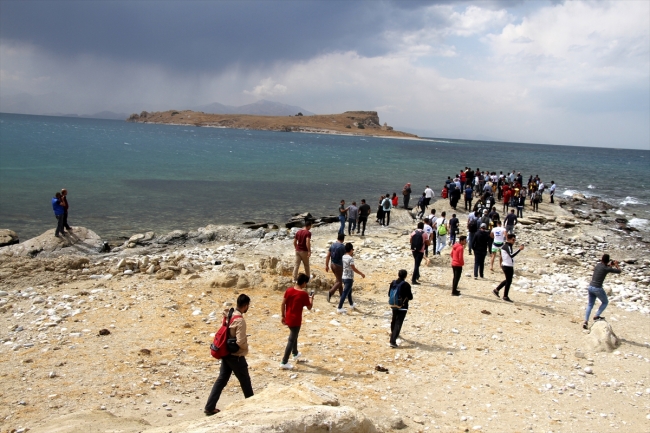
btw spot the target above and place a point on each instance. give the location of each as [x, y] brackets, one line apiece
[267, 87]
[577, 45]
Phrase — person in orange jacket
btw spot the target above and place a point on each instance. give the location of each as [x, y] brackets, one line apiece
[457, 262]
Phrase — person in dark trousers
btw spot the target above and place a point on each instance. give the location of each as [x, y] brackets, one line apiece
[364, 213]
[480, 245]
[596, 290]
[399, 313]
[453, 229]
[406, 192]
[234, 362]
[295, 298]
[59, 213]
[508, 266]
[521, 201]
[387, 206]
[343, 215]
[66, 206]
[422, 205]
[334, 260]
[511, 221]
[457, 263]
[469, 195]
[418, 250]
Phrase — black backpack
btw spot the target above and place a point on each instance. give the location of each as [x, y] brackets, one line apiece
[472, 226]
[417, 241]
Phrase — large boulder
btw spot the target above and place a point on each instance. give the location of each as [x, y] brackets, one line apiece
[601, 337]
[78, 241]
[8, 237]
[288, 409]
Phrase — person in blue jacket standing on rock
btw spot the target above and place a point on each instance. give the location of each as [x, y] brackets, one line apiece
[59, 212]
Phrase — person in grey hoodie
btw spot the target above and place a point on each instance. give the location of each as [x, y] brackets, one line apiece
[353, 216]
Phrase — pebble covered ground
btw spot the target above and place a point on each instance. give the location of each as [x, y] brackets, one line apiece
[129, 332]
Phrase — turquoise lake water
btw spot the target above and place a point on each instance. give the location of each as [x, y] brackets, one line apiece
[124, 178]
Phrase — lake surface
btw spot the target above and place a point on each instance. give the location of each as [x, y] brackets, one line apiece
[125, 178]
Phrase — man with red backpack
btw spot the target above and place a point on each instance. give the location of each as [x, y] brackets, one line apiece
[234, 362]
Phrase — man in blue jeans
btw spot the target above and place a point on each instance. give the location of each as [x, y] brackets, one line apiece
[596, 290]
[348, 278]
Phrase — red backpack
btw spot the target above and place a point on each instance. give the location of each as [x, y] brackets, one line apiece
[219, 347]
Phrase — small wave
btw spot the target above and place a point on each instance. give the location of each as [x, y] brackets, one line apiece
[591, 187]
[630, 200]
[638, 223]
[619, 212]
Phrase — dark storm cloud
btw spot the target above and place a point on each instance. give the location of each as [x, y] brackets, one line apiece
[205, 36]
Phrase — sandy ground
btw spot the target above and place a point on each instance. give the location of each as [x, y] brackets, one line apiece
[472, 362]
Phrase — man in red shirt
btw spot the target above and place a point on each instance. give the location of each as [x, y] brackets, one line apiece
[302, 244]
[507, 195]
[457, 262]
[295, 298]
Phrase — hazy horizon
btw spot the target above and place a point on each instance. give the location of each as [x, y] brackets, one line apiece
[564, 73]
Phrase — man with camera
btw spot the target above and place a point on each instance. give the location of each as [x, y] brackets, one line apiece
[604, 267]
[235, 362]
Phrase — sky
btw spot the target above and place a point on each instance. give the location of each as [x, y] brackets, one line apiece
[554, 72]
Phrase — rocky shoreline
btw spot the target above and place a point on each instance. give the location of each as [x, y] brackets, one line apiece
[145, 312]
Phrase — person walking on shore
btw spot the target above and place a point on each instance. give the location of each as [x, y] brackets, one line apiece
[595, 290]
[334, 259]
[302, 245]
[472, 228]
[419, 240]
[234, 362]
[442, 228]
[59, 212]
[364, 213]
[498, 234]
[348, 278]
[406, 192]
[66, 206]
[480, 245]
[422, 205]
[521, 202]
[469, 195]
[353, 215]
[511, 221]
[428, 195]
[380, 211]
[508, 266]
[457, 263]
[295, 298]
[387, 205]
[551, 190]
[429, 231]
[402, 296]
[343, 212]
[453, 229]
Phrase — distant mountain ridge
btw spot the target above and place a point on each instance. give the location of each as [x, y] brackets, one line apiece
[259, 108]
[55, 104]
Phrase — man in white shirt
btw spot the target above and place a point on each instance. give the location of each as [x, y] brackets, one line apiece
[428, 195]
[498, 233]
[541, 188]
[429, 231]
[441, 241]
[552, 190]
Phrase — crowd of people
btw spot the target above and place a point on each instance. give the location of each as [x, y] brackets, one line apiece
[487, 235]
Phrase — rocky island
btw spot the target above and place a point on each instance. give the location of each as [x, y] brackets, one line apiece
[349, 123]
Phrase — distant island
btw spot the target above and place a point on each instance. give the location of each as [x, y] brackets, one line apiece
[351, 122]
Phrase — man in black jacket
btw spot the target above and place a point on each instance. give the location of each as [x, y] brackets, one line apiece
[399, 313]
[480, 245]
